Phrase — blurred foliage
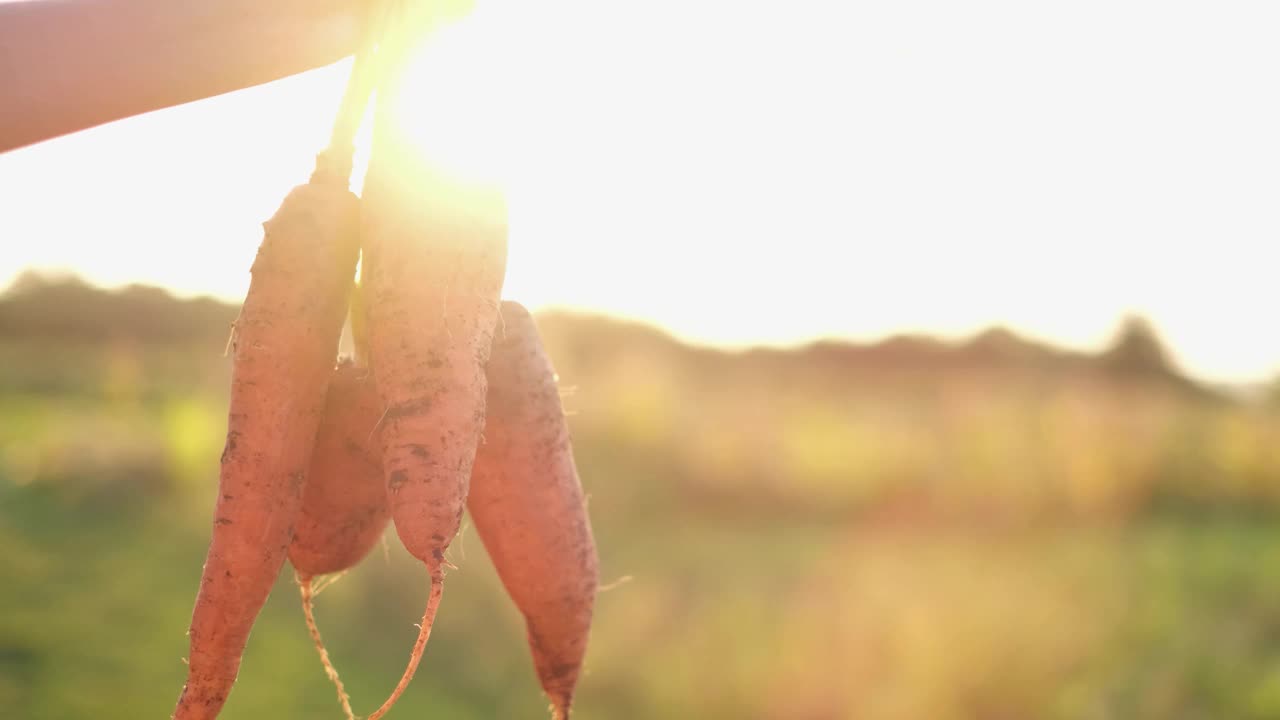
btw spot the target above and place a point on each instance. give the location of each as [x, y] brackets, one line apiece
[911, 529]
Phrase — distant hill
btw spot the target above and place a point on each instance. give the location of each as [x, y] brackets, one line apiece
[1136, 354]
[66, 308]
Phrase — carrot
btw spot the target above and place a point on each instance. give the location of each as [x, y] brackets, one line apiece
[284, 344]
[285, 341]
[528, 508]
[434, 258]
[344, 504]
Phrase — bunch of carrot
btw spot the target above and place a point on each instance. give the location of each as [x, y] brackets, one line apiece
[319, 459]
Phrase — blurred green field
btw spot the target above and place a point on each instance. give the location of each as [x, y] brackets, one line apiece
[906, 533]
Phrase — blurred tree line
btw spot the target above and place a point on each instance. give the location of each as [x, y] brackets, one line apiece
[38, 306]
[911, 429]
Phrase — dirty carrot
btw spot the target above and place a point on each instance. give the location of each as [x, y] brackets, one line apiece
[527, 505]
[344, 504]
[284, 345]
[435, 252]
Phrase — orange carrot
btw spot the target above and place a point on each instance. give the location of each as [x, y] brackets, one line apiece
[528, 508]
[285, 341]
[344, 505]
[434, 279]
[435, 250]
[434, 259]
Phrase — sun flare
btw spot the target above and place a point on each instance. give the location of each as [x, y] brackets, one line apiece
[461, 86]
[455, 98]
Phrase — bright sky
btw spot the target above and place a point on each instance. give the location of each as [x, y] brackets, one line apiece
[771, 173]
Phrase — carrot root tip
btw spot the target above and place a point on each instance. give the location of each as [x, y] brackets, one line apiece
[308, 612]
[424, 634]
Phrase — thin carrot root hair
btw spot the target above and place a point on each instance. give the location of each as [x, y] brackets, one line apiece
[305, 588]
[615, 584]
[424, 633]
[327, 581]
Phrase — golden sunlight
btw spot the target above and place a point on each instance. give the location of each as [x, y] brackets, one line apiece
[466, 107]
[456, 101]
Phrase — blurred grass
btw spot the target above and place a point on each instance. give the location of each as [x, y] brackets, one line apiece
[802, 541]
